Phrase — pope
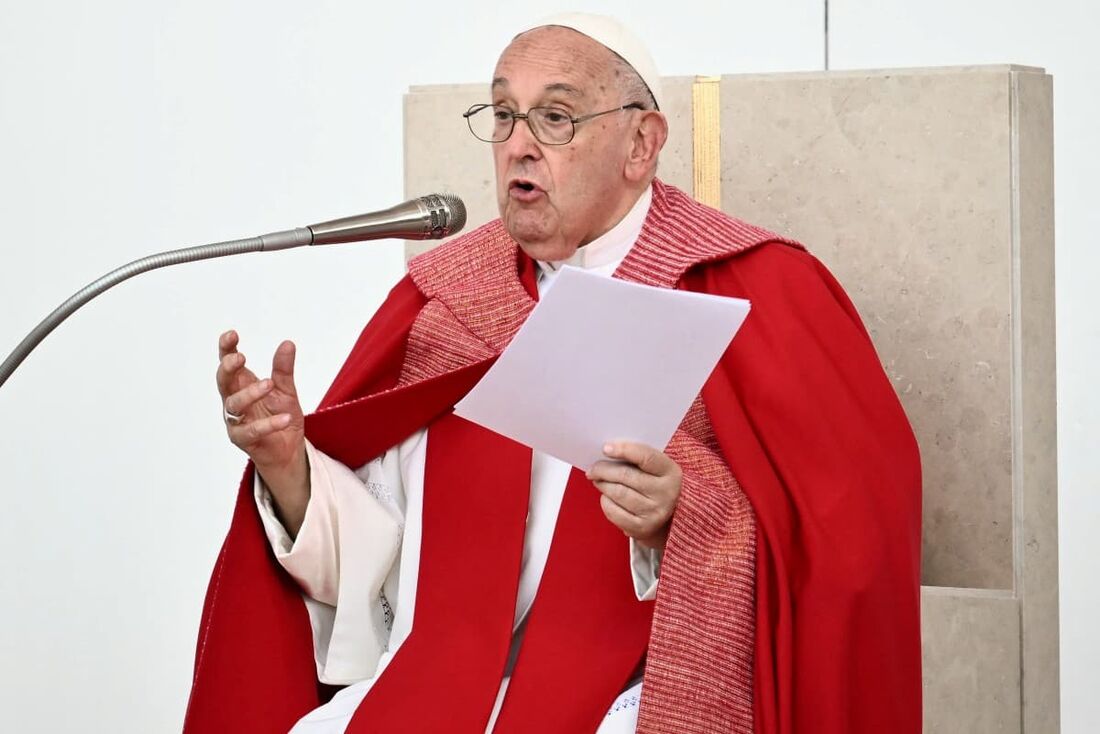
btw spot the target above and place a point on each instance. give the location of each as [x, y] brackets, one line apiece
[392, 567]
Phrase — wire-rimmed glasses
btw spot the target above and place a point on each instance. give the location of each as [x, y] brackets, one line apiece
[550, 125]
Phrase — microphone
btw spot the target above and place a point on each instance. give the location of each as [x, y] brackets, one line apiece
[425, 218]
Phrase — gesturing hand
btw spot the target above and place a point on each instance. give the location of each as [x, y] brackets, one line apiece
[271, 426]
[640, 487]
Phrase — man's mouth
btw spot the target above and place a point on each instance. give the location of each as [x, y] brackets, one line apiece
[523, 190]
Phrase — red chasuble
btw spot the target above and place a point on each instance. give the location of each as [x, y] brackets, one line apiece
[789, 593]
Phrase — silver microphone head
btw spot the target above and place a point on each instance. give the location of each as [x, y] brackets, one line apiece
[447, 214]
[424, 218]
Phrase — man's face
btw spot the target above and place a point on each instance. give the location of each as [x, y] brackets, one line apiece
[556, 198]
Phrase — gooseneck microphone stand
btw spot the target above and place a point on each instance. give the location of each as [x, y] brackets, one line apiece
[274, 241]
[427, 217]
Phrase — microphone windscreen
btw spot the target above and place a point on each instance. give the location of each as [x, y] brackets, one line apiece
[446, 214]
[456, 213]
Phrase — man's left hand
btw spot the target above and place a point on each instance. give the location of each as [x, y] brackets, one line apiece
[640, 487]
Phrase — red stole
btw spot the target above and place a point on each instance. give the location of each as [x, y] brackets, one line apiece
[586, 632]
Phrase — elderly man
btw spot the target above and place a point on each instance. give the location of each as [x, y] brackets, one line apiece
[760, 573]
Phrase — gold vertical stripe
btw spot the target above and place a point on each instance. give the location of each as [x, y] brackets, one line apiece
[706, 140]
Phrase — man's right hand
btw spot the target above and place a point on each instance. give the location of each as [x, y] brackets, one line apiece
[271, 429]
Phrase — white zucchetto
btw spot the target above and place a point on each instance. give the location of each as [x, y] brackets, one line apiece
[613, 35]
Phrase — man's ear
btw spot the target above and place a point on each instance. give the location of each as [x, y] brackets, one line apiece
[649, 137]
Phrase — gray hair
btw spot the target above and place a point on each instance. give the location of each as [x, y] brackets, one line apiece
[631, 84]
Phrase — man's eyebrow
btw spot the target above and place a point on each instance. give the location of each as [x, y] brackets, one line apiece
[563, 87]
[555, 87]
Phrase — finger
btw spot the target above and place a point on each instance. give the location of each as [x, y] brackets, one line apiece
[630, 524]
[623, 473]
[228, 366]
[249, 433]
[233, 375]
[282, 367]
[227, 343]
[242, 400]
[629, 500]
[643, 456]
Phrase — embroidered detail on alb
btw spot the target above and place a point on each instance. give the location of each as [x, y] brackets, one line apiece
[380, 492]
[624, 703]
[387, 610]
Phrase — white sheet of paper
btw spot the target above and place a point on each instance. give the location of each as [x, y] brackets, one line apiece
[603, 359]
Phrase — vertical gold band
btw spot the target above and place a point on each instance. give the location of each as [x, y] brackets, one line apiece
[706, 139]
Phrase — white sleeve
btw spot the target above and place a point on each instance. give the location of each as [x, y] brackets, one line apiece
[645, 568]
[342, 556]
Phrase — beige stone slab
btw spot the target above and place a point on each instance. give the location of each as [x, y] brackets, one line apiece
[1035, 450]
[674, 166]
[898, 182]
[971, 657]
[906, 71]
[442, 156]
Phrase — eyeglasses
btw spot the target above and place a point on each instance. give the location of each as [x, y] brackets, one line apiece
[550, 125]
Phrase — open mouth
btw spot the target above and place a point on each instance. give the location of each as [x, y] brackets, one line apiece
[524, 191]
[522, 185]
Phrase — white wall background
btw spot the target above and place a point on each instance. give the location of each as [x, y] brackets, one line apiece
[129, 127]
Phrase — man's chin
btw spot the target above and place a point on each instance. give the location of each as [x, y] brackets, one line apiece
[546, 251]
[532, 236]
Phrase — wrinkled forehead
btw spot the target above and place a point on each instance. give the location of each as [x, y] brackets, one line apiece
[554, 59]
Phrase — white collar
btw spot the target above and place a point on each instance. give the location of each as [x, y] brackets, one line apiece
[612, 246]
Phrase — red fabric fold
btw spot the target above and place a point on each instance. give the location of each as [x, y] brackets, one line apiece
[448, 671]
[586, 631]
[816, 436]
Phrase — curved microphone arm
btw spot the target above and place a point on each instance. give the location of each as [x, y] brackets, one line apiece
[264, 243]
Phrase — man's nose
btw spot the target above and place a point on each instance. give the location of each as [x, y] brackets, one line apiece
[522, 143]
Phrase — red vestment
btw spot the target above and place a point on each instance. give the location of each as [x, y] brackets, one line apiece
[798, 410]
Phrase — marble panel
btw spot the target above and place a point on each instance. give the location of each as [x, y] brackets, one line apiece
[971, 656]
[1035, 452]
[898, 181]
[674, 166]
[442, 156]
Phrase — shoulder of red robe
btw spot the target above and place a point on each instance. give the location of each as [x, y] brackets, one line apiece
[678, 234]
